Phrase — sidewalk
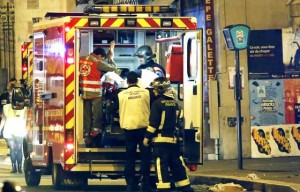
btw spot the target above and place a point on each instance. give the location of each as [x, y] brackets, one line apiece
[271, 174]
[3, 147]
[281, 174]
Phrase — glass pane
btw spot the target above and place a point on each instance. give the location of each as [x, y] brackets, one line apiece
[192, 59]
[103, 36]
[126, 37]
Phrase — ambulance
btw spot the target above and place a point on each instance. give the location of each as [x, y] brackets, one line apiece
[55, 142]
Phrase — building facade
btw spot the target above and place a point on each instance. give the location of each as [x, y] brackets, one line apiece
[213, 15]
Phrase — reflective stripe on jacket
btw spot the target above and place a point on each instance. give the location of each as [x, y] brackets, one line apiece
[14, 122]
[89, 76]
[162, 120]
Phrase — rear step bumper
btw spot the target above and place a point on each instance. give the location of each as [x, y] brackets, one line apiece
[96, 167]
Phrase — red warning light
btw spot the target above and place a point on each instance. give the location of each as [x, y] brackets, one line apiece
[24, 68]
[67, 28]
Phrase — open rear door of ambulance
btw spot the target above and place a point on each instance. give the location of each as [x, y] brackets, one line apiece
[39, 87]
[193, 97]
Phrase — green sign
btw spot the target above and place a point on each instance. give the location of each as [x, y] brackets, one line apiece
[236, 36]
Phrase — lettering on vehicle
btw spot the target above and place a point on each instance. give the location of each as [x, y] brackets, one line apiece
[53, 112]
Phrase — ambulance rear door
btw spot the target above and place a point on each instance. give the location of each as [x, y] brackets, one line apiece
[39, 78]
[193, 96]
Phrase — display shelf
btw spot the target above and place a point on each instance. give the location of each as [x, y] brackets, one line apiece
[123, 38]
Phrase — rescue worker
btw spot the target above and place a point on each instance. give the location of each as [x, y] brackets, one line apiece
[26, 90]
[13, 81]
[92, 68]
[13, 123]
[145, 55]
[134, 122]
[4, 97]
[162, 134]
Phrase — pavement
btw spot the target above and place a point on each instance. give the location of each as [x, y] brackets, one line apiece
[265, 174]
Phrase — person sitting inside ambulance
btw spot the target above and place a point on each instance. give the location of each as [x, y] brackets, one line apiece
[145, 55]
[92, 67]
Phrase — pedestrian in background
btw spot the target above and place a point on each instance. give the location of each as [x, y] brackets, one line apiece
[134, 109]
[4, 97]
[162, 134]
[92, 68]
[13, 124]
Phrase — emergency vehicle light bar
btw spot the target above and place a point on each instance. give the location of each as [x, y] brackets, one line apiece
[128, 9]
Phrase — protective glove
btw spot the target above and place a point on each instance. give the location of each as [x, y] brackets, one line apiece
[146, 142]
[180, 145]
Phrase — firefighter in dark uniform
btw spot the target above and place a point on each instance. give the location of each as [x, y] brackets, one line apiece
[92, 68]
[145, 55]
[134, 109]
[162, 134]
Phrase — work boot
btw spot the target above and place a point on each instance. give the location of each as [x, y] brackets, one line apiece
[129, 188]
[20, 168]
[163, 190]
[14, 168]
[185, 189]
[88, 141]
[144, 185]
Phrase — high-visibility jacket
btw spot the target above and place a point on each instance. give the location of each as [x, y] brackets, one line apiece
[134, 106]
[90, 76]
[13, 122]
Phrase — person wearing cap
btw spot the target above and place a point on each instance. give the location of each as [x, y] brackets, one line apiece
[92, 67]
[145, 55]
[164, 137]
